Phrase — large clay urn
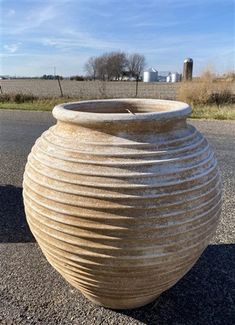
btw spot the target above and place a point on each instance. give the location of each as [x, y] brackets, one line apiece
[122, 196]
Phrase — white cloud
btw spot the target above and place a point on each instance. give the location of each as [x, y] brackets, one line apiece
[74, 39]
[12, 48]
[38, 17]
[10, 13]
[30, 20]
[50, 42]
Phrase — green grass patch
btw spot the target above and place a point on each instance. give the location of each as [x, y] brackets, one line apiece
[46, 104]
[224, 112]
[26, 106]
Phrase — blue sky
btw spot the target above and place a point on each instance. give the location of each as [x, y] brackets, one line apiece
[37, 35]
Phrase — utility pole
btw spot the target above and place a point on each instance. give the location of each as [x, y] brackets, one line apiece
[136, 85]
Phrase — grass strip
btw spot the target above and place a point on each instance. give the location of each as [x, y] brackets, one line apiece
[225, 112]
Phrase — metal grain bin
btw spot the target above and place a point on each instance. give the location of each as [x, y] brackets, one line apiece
[150, 75]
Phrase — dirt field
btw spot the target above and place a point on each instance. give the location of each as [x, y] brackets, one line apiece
[89, 89]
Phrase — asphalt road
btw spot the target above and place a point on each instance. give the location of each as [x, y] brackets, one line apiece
[31, 292]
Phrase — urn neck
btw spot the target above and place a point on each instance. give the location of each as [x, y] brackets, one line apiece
[117, 115]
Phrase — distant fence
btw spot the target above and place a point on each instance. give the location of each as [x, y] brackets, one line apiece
[90, 89]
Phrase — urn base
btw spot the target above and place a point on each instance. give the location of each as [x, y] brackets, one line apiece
[121, 303]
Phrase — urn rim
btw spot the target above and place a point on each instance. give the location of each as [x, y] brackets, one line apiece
[120, 110]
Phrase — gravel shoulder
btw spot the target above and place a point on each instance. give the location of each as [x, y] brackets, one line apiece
[31, 292]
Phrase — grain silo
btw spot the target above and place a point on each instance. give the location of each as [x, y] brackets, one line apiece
[175, 77]
[188, 69]
[150, 75]
[168, 78]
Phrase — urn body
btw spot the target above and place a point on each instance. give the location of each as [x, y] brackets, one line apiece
[122, 196]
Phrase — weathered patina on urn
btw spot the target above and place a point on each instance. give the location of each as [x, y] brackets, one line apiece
[122, 196]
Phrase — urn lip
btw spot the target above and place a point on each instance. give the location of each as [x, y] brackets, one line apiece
[120, 110]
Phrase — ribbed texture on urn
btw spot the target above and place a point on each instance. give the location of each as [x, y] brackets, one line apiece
[122, 216]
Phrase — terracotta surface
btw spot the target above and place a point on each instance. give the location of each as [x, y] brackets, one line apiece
[123, 197]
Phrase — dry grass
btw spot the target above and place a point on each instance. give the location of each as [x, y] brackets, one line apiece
[206, 90]
[229, 76]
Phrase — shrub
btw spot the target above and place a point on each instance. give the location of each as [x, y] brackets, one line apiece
[22, 98]
[5, 98]
[77, 78]
[230, 76]
[206, 91]
[17, 98]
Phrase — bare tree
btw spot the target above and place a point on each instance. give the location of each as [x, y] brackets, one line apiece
[136, 64]
[101, 63]
[112, 66]
[116, 64]
[91, 67]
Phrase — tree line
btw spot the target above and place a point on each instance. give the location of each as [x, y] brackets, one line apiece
[115, 66]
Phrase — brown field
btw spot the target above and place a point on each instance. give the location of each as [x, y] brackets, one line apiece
[89, 89]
